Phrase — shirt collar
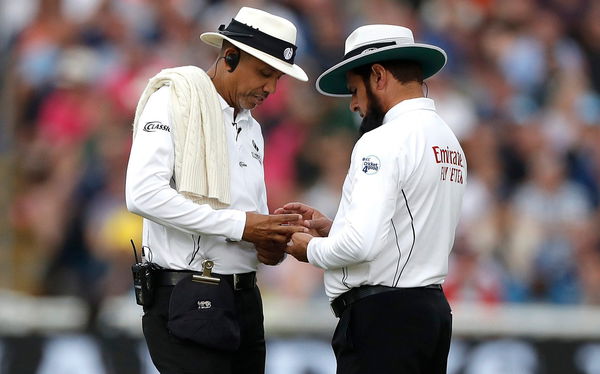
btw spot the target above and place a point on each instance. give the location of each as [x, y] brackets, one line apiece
[243, 115]
[407, 106]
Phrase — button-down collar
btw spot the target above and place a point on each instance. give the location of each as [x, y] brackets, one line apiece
[408, 105]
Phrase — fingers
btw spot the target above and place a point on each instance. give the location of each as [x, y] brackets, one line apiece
[285, 218]
[289, 229]
[279, 228]
[300, 236]
[296, 206]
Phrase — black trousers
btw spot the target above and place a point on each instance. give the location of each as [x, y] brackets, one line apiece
[172, 355]
[406, 331]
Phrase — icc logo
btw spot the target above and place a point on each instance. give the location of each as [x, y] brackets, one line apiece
[370, 165]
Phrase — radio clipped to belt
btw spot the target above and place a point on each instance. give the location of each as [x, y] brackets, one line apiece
[143, 279]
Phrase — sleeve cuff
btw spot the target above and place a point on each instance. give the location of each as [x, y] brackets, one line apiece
[238, 223]
[312, 252]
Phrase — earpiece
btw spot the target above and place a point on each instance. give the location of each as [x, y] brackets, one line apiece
[232, 60]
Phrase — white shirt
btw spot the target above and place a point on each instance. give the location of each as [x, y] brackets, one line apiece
[400, 205]
[179, 233]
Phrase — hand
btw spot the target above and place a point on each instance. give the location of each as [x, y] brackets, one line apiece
[270, 253]
[316, 221]
[297, 247]
[262, 228]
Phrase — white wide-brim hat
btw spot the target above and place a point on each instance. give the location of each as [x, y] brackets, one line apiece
[269, 38]
[375, 43]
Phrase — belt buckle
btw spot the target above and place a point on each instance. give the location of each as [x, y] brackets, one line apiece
[236, 281]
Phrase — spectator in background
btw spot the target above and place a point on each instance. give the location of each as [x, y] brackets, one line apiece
[548, 210]
[473, 277]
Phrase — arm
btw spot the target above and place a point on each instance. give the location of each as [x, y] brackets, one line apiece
[374, 180]
[149, 192]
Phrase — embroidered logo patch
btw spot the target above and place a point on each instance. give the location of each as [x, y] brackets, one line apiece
[368, 50]
[288, 53]
[155, 125]
[370, 165]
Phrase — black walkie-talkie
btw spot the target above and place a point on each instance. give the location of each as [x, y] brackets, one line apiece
[143, 279]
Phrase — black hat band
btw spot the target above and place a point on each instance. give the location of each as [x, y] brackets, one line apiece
[280, 49]
[357, 51]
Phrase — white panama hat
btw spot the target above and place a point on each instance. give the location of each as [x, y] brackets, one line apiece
[269, 38]
[375, 43]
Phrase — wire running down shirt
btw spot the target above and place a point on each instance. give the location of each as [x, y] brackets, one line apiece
[400, 205]
[179, 233]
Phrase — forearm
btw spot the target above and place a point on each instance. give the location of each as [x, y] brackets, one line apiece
[166, 206]
[347, 248]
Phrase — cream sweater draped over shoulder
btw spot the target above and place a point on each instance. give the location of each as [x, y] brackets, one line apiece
[201, 154]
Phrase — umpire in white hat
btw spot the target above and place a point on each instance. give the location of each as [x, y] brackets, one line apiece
[386, 252]
[196, 176]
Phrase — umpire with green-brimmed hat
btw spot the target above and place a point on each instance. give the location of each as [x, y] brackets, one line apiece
[386, 253]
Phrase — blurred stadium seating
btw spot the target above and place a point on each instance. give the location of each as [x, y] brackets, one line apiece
[521, 90]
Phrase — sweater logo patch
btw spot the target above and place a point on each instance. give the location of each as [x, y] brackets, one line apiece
[156, 125]
[370, 164]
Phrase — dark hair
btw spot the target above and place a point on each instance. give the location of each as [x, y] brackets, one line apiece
[403, 70]
[227, 44]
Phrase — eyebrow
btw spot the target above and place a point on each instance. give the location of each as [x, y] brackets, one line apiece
[271, 70]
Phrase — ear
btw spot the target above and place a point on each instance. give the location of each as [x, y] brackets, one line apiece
[379, 76]
[232, 58]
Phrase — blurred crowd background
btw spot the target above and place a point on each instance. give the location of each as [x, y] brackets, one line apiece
[521, 92]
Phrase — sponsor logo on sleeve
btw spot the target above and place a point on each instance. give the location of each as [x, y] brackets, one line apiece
[370, 165]
[156, 125]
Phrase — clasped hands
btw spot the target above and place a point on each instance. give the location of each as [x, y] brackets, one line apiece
[287, 231]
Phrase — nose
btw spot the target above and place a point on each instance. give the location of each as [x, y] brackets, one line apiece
[270, 86]
[353, 105]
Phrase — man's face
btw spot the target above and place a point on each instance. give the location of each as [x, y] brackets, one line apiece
[365, 103]
[254, 80]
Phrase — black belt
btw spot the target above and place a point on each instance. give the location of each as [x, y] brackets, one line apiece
[237, 281]
[340, 303]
